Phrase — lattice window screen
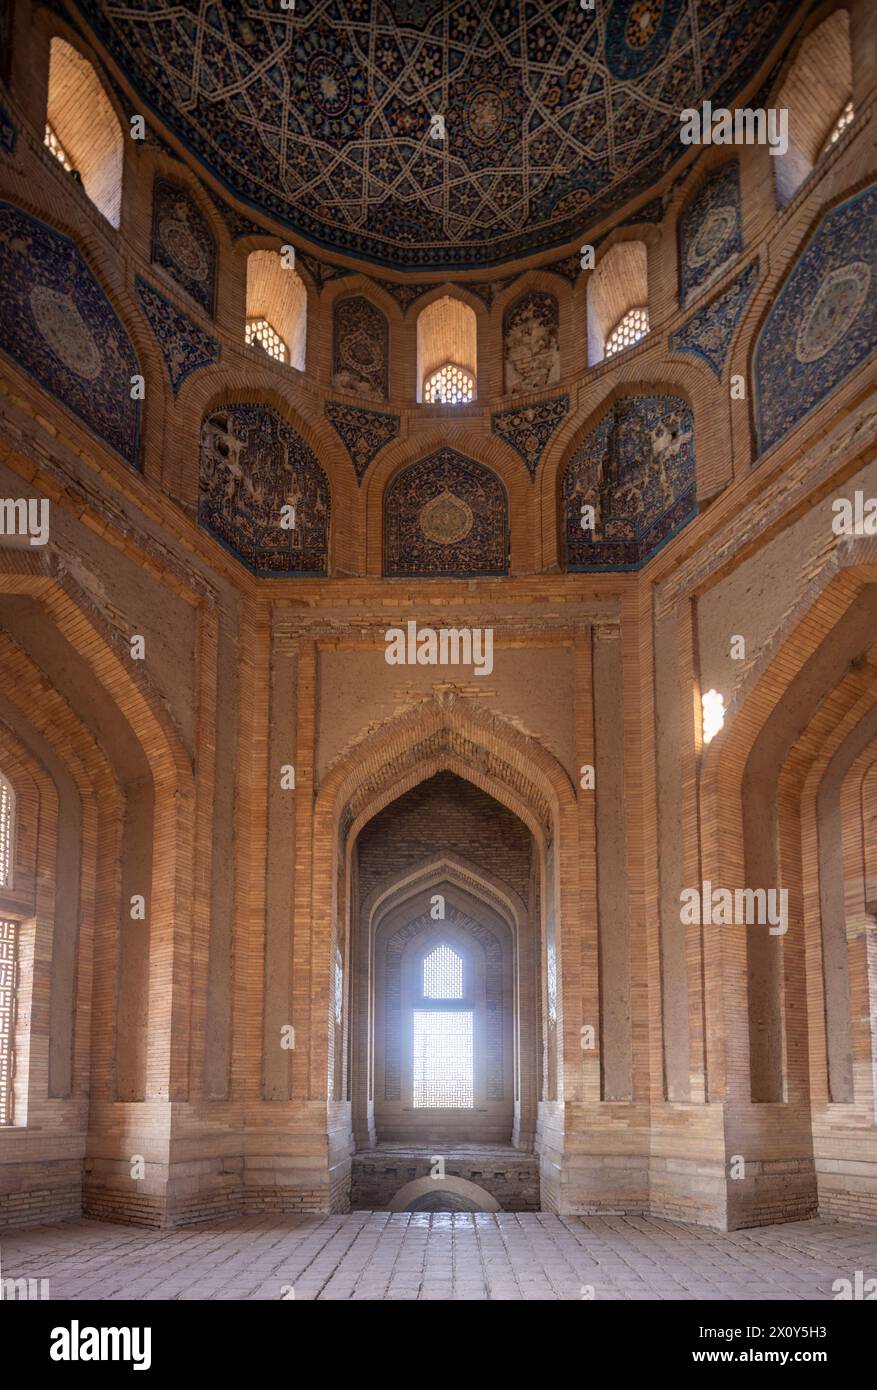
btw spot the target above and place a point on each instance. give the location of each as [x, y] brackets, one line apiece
[8, 968]
[443, 1060]
[7, 824]
[443, 974]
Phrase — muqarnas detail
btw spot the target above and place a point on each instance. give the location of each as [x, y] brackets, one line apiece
[710, 231]
[446, 515]
[636, 469]
[184, 346]
[360, 337]
[528, 428]
[708, 333]
[182, 243]
[57, 323]
[363, 432]
[529, 329]
[253, 466]
[823, 322]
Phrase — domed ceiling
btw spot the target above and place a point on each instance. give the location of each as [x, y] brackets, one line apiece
[554, 115]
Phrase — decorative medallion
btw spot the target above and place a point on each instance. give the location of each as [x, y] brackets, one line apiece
[182, 243]
[823, 322]
[57, 323]
[833, 312]
[66, 332]
[360, 347]
[445, 515]
[710, 231]
[446, 519]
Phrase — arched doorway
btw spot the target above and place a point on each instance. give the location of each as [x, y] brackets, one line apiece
[445, 801]
[444, 1040]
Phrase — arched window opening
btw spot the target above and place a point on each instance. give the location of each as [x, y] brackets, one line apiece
[450, 385]
[7, 832]
[443, 1050]
[8, 982]
[443, 974]
[82, 130]
[633, 326]
[618, 296]
[277, 309]
[845, 118]
[816, 94]
[447, 353]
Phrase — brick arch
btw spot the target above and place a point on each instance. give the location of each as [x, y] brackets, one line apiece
[820, 804]
[104, 653]
[472, 889]
[70, 908]
[726, 761]
[445, 733]
[454, 869]
[356, 283]
[472, 1196]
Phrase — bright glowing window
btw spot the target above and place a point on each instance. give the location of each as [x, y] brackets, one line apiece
[8, 965]
[450, 385]
[633, 326]
[261, 334]
[7, 829]
[844, 119]
[53, 144]
[443, 974]
[443, 1060]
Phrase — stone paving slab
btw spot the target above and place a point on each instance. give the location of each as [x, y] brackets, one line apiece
[441, 1256]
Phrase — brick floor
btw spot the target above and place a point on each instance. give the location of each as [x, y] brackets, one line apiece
[377, 1255]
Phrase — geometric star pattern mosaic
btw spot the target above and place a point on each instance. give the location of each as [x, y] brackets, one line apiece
[823, 322]
[635, 474]
[321, 115]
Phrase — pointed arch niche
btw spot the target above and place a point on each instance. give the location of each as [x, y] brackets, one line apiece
[446, 810]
